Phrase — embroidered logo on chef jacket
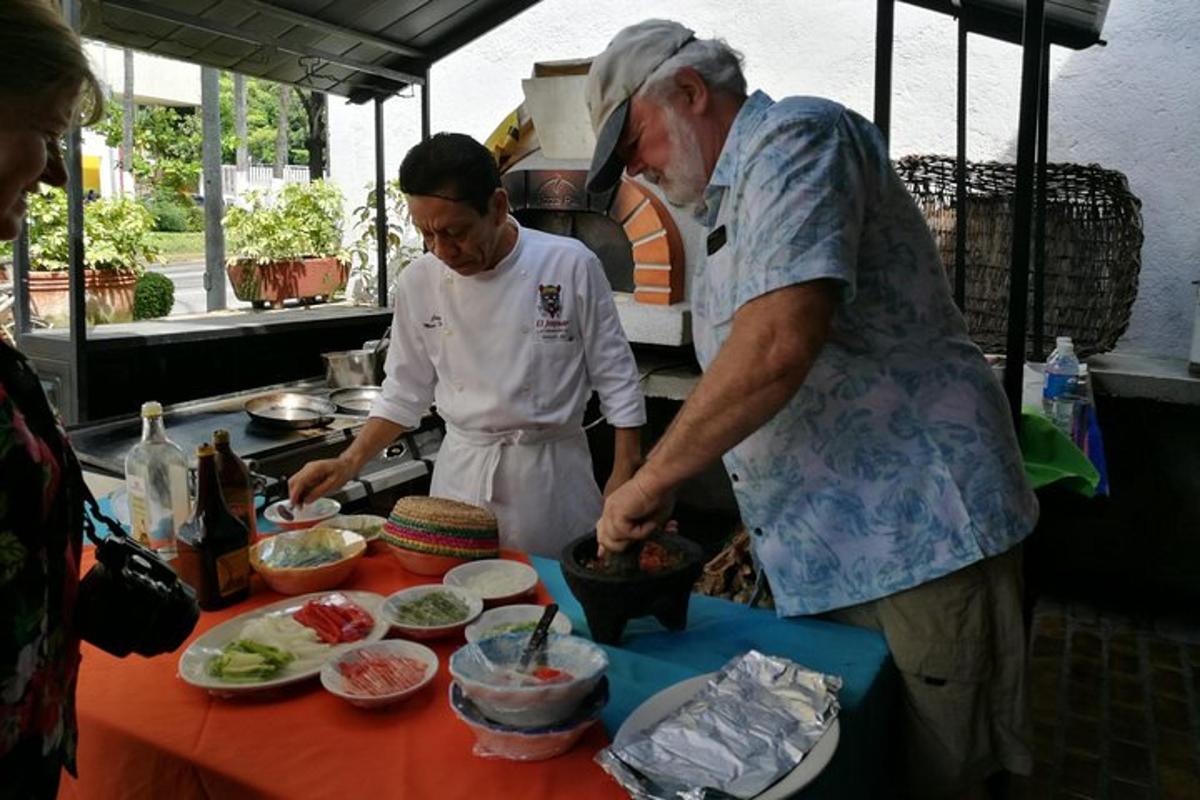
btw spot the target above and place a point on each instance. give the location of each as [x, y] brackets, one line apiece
[549, 304]
[550, 300]
[434, 322]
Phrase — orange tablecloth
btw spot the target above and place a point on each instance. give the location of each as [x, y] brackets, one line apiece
[144, 733]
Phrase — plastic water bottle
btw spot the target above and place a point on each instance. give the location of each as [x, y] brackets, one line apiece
[156, 482]
[1061, 385]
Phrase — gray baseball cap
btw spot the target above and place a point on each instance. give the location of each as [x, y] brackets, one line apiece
[614, 78]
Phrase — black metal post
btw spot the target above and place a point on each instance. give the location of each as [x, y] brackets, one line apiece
[76, 402]
[1039, 240]
[1018, 274]
[426, 108]
[960, 198]
[20, 281]
[885, 32]
[381, 223]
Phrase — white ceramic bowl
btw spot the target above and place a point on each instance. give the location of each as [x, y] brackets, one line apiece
[333, 680]
[496, 580]
[483, 668]
[535, 744]
[416, 631]
[304, 517]
[497, 621]
[368, 526]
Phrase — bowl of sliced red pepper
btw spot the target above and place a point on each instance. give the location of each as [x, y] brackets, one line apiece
[377, 674]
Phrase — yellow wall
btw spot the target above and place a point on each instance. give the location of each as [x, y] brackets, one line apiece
[91, 174]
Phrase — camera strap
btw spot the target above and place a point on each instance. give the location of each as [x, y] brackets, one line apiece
[91, 505]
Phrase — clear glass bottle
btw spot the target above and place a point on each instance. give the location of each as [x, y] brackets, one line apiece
[156, 483]
[214, 554]
[236, 487]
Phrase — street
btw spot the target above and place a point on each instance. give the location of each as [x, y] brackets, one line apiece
[188, 278]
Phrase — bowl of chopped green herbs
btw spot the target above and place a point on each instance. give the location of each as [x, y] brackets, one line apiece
[431, 611]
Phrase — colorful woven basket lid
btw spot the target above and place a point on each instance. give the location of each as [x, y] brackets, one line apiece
[441, 527]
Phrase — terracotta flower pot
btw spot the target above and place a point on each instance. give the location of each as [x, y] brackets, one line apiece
[109, 295]
[269, 284]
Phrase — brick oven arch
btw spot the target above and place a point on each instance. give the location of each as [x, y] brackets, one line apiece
[658, 257]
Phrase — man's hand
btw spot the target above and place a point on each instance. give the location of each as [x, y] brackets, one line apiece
[317, 479]
[631, 512]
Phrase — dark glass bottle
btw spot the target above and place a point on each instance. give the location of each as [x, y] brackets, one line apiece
[234, 478]
[214, 555]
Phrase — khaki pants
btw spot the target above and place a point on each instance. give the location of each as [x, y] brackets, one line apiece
[959, 643]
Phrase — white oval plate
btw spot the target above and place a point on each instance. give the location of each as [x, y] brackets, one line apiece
[672, 697]
[508, 615]
[193, 664]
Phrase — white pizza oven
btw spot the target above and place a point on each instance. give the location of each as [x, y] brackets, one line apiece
[649, 249]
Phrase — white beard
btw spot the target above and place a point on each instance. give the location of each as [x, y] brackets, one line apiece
[684, 179]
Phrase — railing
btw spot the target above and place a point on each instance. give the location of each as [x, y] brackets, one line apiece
[258, 177]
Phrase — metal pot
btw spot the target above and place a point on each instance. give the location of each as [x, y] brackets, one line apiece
[350, 368]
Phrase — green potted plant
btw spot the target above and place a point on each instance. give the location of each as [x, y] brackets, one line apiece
[116, 247]
[403, 244]
[287, 247]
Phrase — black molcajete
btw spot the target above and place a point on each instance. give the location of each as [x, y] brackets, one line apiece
[611, 600]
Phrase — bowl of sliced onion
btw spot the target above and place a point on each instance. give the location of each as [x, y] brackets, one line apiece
[379, 673]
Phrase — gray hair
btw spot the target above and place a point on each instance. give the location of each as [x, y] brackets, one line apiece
[718, 64]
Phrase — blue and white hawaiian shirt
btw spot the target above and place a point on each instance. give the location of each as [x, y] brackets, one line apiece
[896, 462]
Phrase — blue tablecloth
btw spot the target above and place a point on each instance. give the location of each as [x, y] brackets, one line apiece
[650, 658]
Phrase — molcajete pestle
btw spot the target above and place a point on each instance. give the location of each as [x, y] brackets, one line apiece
[612, 594]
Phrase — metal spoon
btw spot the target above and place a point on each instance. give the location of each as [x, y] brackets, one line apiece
[537, 639]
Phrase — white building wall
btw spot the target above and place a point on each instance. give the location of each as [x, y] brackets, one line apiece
[1133, 106]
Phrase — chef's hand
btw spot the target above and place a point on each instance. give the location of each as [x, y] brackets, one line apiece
[632, 512]
[317, 479]
[621, 474]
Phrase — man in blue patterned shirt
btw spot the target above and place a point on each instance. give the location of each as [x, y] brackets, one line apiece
[868, 443]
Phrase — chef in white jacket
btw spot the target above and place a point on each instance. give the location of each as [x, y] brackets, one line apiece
[507, 330]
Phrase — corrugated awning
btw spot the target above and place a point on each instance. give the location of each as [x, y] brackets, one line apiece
[359, 49]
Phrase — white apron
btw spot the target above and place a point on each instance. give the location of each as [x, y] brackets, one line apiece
[538, 482]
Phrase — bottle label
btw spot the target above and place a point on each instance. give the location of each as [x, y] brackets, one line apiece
[1056, 385]
[233, 571]
[139, 508]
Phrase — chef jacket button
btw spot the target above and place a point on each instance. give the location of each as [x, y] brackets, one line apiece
[758, 532]
[734, 477]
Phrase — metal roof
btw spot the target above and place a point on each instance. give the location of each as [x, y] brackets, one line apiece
[360, 49]
[1075, 24]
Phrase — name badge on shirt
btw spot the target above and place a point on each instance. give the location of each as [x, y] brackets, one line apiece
[716, 240]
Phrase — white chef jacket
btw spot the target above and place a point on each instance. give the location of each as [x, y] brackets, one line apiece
[510, 357]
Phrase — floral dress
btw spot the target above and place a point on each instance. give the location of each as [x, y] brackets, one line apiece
[40, 543]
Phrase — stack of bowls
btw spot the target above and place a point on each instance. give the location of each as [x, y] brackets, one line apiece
[523, 718]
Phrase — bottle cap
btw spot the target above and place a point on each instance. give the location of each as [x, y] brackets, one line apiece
[221, 436]
[1061, 340]
[204, 451]
[151, 409]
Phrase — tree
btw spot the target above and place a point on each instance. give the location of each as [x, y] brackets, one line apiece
[281, 130]
[166, 146]
[316, 109]
[262, 119]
